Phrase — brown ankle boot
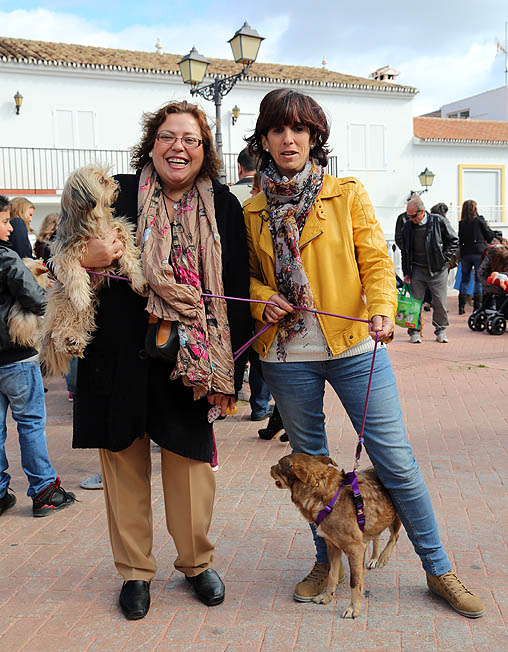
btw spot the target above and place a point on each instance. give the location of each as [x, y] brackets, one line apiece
[449, 587]
[315, 582]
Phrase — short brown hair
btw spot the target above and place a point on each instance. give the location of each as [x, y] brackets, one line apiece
[469, 210]
[288, 107]
[150, 124]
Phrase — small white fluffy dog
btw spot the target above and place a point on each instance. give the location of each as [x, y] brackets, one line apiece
[25, 326]
[86, 213]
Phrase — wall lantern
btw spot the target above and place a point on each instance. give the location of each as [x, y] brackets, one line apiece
[18, 100]
[236, 112]
[426, 178]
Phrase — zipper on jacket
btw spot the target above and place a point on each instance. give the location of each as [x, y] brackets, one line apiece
[313, 238]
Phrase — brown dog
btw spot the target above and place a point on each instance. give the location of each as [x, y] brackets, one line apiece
[313, 483]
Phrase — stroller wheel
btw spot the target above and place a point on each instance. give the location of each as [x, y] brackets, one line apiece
[477, 321]
[496, 325]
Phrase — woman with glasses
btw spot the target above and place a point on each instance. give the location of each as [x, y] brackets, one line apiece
[192, 235]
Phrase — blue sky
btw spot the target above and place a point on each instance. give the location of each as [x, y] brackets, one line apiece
[447, 50]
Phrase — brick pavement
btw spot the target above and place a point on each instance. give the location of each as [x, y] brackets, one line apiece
[59, 588]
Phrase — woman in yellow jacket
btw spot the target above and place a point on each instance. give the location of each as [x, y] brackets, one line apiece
[314, 242]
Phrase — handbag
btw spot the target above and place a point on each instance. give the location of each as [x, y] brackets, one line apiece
[408, 309]
[162, 341]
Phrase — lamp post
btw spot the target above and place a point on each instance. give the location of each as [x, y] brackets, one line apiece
[426, 179]
[245, 45]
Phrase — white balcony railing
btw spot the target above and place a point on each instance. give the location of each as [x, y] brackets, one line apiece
[39, 170]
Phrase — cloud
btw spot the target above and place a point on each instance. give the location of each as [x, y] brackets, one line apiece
[209, 36]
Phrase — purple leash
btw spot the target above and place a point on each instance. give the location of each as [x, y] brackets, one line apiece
[352, 477]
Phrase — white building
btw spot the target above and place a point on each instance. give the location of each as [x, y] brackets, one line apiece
[83, 104]
[490, 105]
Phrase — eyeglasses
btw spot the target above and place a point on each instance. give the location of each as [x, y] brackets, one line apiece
[189, 142]
[412, 217]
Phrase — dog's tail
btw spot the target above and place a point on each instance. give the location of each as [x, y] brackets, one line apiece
[53, 362]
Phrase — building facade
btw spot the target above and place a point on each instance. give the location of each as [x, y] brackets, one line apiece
[83, 104]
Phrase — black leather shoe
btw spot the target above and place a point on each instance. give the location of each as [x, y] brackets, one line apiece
[209, 587]
[135, 599]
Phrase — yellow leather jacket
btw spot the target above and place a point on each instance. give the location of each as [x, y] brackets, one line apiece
[344, 254]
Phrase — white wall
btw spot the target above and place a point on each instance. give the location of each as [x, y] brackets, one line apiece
[491, 105]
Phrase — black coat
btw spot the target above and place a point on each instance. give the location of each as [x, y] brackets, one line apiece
[120, 393]
[18, 239]
[16, 284]
[474, 236]
[440, 243]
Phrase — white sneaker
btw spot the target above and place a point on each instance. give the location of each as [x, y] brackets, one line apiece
[415, 338]
[92, 482]
[441, 338]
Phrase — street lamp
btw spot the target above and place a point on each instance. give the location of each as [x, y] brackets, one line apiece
[426, 179]
[245, 45]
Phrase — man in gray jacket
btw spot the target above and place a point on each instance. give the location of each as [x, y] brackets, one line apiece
[427, 244]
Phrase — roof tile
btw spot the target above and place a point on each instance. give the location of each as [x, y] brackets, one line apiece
[456, 130]
[21, 50]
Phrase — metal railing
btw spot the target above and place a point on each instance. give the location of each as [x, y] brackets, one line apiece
[38, 170]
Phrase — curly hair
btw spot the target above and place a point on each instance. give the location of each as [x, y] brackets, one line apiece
[150, 124]
[469, 211]
[283, 107]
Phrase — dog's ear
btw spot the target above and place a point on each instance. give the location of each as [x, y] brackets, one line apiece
[325, 459]
[82, 199]
[301, 472]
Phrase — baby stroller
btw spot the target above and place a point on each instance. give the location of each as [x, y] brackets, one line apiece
[492, 314]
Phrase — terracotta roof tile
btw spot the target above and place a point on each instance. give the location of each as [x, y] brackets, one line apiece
[455, 130]
[25, 51]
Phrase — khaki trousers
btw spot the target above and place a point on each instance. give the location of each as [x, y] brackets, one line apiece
[189, 490]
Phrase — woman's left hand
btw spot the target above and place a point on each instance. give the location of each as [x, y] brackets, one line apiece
[383, 326]
[223, 401]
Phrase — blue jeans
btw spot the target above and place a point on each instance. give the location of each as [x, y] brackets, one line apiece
[21, 387]
[298, 389]
[259, 393]
[469, 261]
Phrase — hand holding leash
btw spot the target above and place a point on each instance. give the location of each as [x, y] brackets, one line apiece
[382, 326]
[274, 313]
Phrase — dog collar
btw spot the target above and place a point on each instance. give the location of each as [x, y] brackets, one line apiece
[351, 479]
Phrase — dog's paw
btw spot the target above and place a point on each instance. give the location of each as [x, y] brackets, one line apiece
[323, 598]
[73, 346]
[351, 612]
[373, 563]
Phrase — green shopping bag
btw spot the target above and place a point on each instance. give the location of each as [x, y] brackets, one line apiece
[408, 309]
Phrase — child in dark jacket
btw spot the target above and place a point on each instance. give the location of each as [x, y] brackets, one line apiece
[21, 386]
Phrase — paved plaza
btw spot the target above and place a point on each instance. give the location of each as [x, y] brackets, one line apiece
[59, 588]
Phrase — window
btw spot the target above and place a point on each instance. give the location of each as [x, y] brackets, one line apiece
[461, 115]
[485, 184]
[367, 147]
[74, 129]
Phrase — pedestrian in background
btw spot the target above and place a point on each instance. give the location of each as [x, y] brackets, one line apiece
[21, 387]
[22, 237]
[42, 246]
[474, 235]
[428, 242]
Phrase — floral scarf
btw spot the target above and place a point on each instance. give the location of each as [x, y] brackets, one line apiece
[289, 203]
[181, 259]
